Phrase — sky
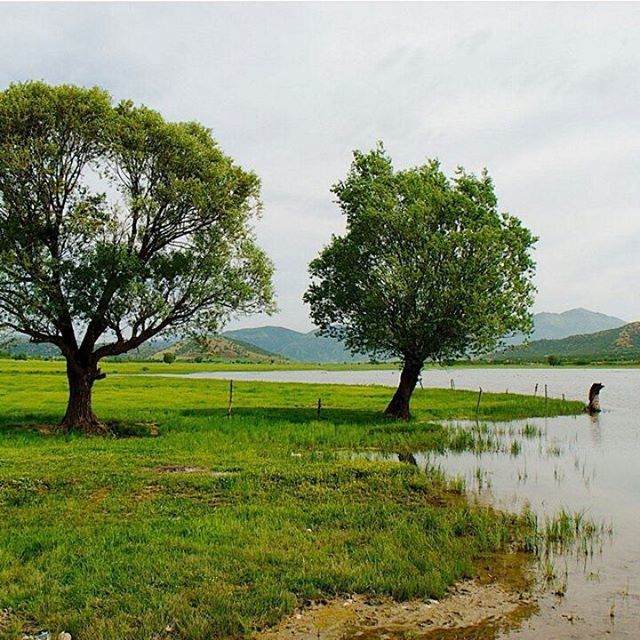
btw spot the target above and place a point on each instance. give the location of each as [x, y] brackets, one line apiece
[546, 96]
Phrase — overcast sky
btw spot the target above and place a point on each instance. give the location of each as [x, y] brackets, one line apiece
[546, 96]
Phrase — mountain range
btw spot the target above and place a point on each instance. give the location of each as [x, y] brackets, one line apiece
[311, 347]
[553, 326]
[279, 343]
[295, 345]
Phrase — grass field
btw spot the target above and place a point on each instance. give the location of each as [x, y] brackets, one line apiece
[8, 365]
[134, 367]
[219, 526]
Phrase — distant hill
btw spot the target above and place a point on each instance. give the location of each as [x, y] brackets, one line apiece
[301, 347]
[620, 344]
[21, 346]
[217, 348]
[553, 326]
[146, 350]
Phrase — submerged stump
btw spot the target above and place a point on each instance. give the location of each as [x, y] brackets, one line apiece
[594, 398]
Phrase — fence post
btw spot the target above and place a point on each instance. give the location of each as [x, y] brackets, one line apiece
[319, 407]
[478, 403]
[546, 399]
[230, 398]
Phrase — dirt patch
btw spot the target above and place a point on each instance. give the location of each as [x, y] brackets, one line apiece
[478, 608]
[148, 492]
[99, 495]
[175, 468]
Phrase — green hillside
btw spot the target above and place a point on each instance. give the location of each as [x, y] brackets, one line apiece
[217, 348]
[621, 344]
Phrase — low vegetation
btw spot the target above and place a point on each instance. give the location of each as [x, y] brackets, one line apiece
[212, 526]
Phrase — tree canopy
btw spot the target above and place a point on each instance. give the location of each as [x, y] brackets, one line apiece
[428, 268]
[118, 226]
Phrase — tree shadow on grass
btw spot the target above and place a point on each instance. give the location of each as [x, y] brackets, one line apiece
[298, 415]
[371, 422]
[47, 424]
[36, 423]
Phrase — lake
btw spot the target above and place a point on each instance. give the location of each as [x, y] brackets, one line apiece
[582, 463]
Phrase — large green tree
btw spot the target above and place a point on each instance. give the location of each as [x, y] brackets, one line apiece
[428, 268]
[118, 226]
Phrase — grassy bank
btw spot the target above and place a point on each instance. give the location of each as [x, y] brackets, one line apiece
[9, 365]
[221, 525]
[133, 367]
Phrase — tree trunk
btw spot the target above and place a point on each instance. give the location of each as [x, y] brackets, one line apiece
[79, 415]
[399, 405]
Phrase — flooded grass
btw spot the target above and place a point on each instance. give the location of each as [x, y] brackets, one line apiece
[563, 533]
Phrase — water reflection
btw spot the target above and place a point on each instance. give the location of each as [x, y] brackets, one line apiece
[577, 466]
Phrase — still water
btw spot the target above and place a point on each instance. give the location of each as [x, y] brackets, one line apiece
[582, 463]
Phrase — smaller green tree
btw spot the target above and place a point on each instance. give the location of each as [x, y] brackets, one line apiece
[428, 268]
[169, 357]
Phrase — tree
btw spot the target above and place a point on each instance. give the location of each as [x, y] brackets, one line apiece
[118, 226]
[427, 269]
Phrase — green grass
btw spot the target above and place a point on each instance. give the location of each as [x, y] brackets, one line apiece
[134, 367]
[96, 539]
[9, 365]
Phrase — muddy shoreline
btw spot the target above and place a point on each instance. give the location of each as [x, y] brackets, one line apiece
[500, 597]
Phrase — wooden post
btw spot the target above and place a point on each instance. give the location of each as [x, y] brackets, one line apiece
[546, 399]
[563, 398]
[230, 398]
[319, 407]
[535, 390]
[478, 403]
[453, 385]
